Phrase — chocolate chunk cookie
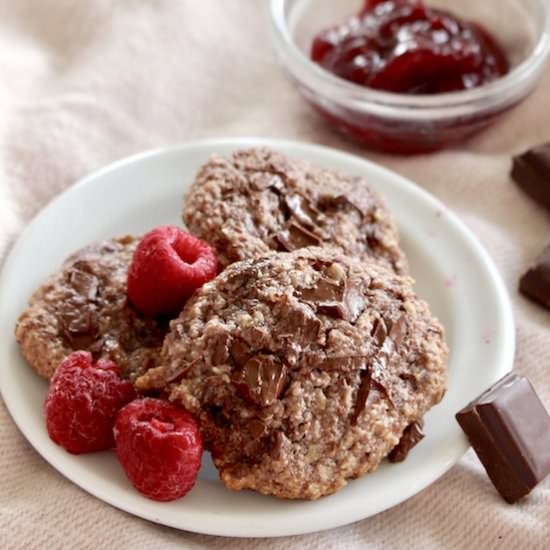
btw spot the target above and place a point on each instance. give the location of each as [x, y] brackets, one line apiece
[305, 369]
[257, 201]
[84, 307]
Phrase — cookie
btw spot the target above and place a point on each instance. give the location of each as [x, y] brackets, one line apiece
[84, 307]
[304, 368]
[257, 201]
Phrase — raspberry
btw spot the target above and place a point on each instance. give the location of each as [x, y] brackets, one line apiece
[82, 403]
[168, 265]
[159, 447]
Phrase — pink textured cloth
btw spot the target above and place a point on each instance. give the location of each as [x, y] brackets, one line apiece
[86, 82]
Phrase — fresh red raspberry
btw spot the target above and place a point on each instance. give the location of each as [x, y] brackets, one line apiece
[82, 403]
[159, 447]
[168, 265]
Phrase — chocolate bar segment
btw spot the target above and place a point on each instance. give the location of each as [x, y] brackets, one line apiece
[509, 429]
[531, 171]
[535, 282]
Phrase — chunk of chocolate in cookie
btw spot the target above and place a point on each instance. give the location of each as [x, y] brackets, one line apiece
[509, 430]
[84, 307]
[329, 360]
[412, 435]
[257, 200]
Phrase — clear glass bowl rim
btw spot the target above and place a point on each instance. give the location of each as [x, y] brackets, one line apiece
[504, 91]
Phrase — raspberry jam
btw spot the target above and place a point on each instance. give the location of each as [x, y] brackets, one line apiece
[406, 47]
[417, 53]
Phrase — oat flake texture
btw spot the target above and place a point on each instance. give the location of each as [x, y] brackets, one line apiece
[304, 369]
[258, 200]
[83, 306]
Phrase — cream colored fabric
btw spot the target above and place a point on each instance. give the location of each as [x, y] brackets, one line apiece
[86, 82]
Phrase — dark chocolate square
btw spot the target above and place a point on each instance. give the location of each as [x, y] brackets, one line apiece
[535, 282]
[509, 429]
[531, 171]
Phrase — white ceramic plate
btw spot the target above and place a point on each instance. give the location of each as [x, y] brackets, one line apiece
[453, 273]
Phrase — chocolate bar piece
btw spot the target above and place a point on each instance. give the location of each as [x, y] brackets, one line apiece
[509, 430]
[531, 171]
[535, 282]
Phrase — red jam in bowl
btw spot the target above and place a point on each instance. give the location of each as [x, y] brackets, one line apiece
[406, 47]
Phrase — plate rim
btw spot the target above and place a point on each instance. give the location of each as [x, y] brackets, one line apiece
[507, 350]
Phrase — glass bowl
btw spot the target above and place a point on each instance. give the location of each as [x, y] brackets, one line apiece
[407, 124]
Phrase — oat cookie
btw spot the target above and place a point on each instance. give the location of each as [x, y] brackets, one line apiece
[304, 368]
[257, 201]
[84, 307]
